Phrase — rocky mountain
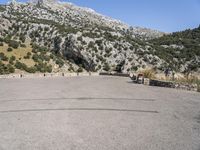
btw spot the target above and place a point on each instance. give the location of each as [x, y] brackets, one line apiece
[61, 36]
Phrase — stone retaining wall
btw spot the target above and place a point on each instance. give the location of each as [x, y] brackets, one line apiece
[169, 84]
[114, 74]
[40, 75]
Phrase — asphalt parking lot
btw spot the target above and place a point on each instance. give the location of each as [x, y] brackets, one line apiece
[96, 113]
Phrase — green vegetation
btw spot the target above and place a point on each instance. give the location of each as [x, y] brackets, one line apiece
[2, 9]
[40, 67]
[6, 69]
[106, 67]
[12, 59]
[59, 62]
[9, 49]
[179, 48]
[3, 57]
[13, 44]
[80, 69]
[43, 67]
[22, 38]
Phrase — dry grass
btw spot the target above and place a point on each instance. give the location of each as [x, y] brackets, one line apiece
[148, 73]
[189, 80]
[19, 53]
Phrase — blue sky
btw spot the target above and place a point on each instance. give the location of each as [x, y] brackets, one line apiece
[163, 15]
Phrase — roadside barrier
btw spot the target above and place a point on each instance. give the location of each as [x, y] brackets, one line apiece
[46, 75]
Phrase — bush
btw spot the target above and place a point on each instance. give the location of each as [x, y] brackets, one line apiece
[9, 49]
[2, 8]
[134, 68]
[80, 69]
[20, 65]
[12, 59]
[80, 38]
[10, 68]
[13, 44]
[23, 45]
[43, 67]
[71, 68]
[6, 69]
[35, 57]
[106, 67]
[28, 56]
[59, 62]
[3, 57]
[22, 38]
[119, 67]
[1, 43]
[49, 69]
[31, 69]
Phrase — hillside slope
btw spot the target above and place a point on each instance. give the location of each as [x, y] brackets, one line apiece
[82, 38]
[180, 50]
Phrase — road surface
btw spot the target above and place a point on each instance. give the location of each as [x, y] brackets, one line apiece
[96, 113]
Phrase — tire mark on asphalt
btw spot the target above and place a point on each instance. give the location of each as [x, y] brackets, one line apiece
[79, 109]
[79, 99]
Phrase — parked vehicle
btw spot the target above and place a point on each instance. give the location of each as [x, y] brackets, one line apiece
[137, 78]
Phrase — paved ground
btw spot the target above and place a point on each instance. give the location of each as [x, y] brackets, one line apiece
[96, 113]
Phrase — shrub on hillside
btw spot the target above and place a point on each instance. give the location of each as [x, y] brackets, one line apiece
[43, 67]
[35, 57]
[31, 69]
[80, 38]
[106, 67]
[2, 8]
[22, 38]
[3, 57]
[12, 59]
[6, 69]
[60, 62]
[13, 44]
[9, 49]
[23, 45]
[20, 65]
[10, 68]
[28, 56]
[80, 69]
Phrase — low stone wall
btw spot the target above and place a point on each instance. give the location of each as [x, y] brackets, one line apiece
[114, 74]
[168, 84]
[161, 83]
[189, 87]
[42, 75]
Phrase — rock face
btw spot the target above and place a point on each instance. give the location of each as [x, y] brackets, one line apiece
[81, 35]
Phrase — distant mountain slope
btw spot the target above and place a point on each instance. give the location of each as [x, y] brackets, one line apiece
[80, 38]
[181, 50]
